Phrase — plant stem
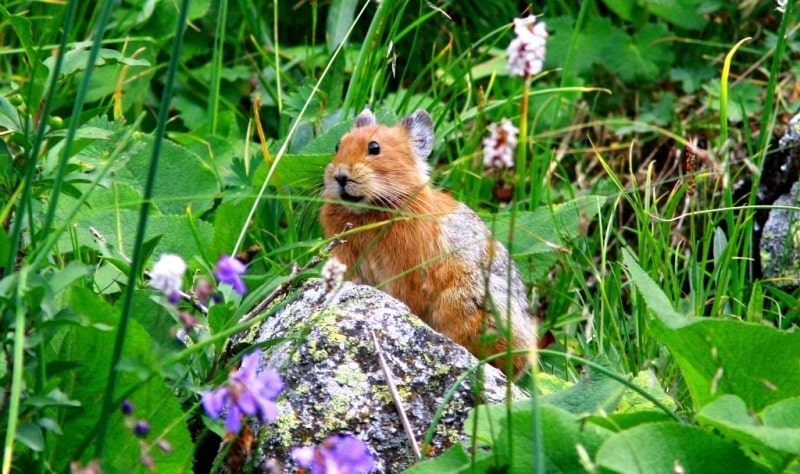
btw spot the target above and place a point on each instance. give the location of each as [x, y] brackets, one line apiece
[16, 371]
[138, 247]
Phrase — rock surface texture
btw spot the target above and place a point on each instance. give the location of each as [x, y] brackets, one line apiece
[779, 248]
[334, 382]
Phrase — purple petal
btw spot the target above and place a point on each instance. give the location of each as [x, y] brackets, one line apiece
[214, 401]
[239, 286]
[349, 453]
[247, 403]
[270, 383]
[250, 364]
[234, 419]
[228, 270]
[267, 411]
[303, 455]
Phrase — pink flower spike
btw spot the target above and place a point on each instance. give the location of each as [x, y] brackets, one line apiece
[500, 146]
[526, 52]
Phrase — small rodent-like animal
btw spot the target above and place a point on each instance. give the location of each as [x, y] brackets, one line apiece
[419, 244]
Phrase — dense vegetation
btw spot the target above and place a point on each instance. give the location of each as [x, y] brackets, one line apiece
[140, 128]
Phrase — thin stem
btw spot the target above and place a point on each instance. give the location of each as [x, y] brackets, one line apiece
[75, 118]
[138, 248]
[31, 162]
[16, 371]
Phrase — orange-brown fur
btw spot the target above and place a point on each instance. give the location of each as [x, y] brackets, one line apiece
[402, 244]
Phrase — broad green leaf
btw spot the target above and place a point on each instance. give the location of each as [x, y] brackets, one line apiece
[301, 171]
[563, 432]
[23, 30]
[229, 219]
[671, 447]
[591, 393]
[76, 59]
[31, 436]
[453, 461]
[682, 13]
[758, 363]
[545, 230]
[65, 277]
[657, 301]
[153, 399]
[626, 9]
[325, 144]
[182, 179]
[775, 435]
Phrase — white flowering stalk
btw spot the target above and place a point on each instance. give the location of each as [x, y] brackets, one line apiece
[333, 272]
[499, 147]
[781, 5]
[167, 276]
[526, 51]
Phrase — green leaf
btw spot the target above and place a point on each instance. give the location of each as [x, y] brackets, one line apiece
[656, 300]
[545, 230]
[453, 461]
[682, 13]
[301, 171]
[30, 434]
[591, 393]
[23, 30]
[775, 435]
[76, 59]
[510, 438]
[153, 399]
[755, 362]
[68, 275]
[183, 179]
[628, 10]
[671, 447]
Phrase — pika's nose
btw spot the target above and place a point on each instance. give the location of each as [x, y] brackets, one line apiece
[341, 179]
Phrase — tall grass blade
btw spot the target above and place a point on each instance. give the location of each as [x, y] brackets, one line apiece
[136, 261]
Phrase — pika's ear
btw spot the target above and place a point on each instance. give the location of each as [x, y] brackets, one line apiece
[420, 130]
[364, 119]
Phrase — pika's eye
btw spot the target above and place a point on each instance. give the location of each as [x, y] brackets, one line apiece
[373, 148]
[337, 147]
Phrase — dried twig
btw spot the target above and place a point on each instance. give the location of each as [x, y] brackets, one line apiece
[396, 397]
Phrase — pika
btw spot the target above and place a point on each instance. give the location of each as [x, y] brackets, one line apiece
[419, 244]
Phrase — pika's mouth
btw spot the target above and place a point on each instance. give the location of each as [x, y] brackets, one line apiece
[348, 197]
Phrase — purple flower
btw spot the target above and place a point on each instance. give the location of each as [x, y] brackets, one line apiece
[337, 454]
[141, 428]
[248, 392]
[126, 406]
[526, 51]
[499, 147]
[228, 270]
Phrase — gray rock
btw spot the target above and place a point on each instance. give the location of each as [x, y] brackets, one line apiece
[780, 242]
[334, 383]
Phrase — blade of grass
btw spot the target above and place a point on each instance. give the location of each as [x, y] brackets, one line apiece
[32, 161]
[285, 146]
[75, 117]
[136, 263]
[216, 65]
[16, 370]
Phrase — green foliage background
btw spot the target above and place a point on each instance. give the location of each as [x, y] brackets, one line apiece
[137, 128]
